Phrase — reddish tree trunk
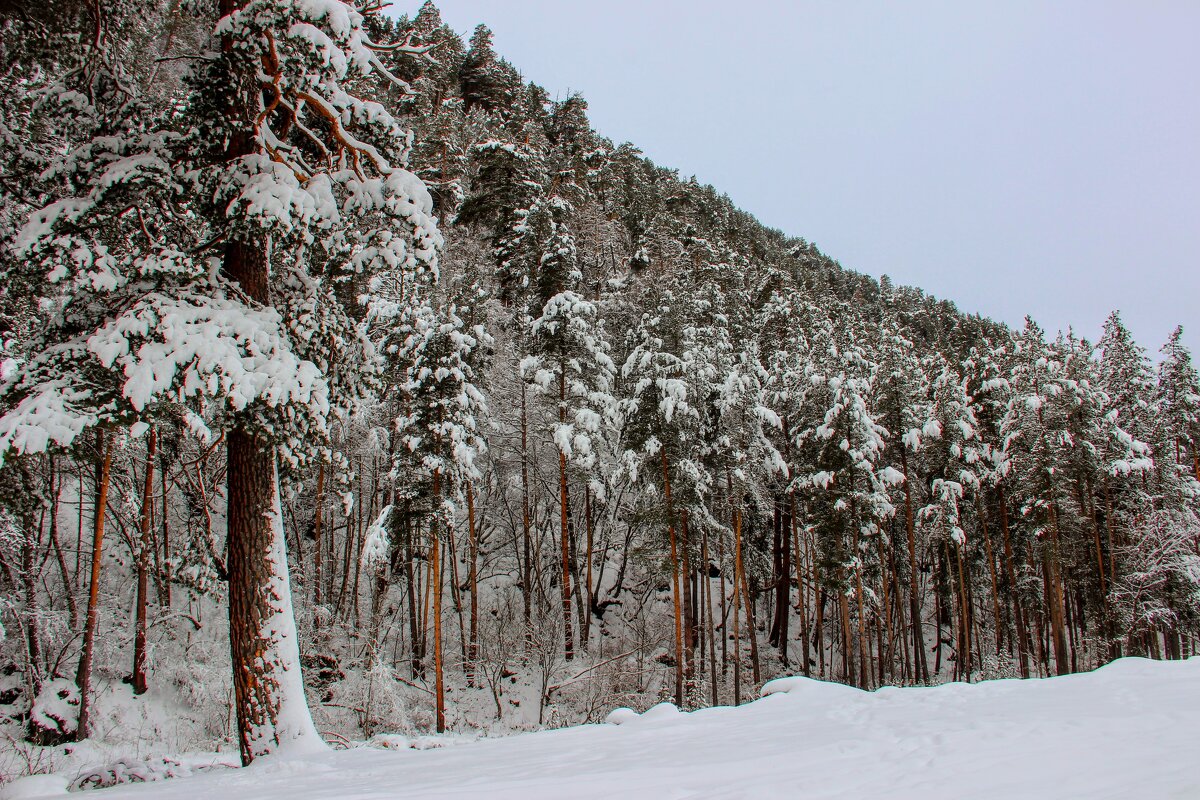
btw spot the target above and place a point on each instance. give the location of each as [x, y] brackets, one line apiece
[84, 675]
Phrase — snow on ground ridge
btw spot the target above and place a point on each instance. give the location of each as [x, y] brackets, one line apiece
[1125, 730]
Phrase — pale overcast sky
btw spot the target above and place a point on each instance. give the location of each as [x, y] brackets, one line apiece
[1014, 157]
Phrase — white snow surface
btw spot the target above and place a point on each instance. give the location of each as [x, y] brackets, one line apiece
[1125, 730]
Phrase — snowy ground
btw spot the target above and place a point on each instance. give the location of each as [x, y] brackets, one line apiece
[1127, 730]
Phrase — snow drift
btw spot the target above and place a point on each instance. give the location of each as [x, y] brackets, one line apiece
[1124, 730]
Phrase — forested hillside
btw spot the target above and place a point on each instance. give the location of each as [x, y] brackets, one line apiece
[332, 316]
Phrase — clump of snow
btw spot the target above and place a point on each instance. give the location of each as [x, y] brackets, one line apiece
[619, 716]
[143, 770]
[56, 708]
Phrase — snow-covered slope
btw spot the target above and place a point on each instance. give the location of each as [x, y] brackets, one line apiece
[1126, 730]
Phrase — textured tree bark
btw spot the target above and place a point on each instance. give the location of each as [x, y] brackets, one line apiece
[83, 676]
[261, 628]
[526, 538]
[565, 525]
[143, 569]
[268, 688]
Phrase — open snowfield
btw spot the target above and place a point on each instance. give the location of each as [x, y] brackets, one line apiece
[1127, 730]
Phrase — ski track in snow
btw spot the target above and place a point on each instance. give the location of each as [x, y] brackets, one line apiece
[1126, 730]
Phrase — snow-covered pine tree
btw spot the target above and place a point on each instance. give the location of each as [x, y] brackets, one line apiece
[205, 259]
[570, 362]
[440, 429]
[1177, 404]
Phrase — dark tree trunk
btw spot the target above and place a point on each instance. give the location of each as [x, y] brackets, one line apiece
[143, 569]
[914, 603]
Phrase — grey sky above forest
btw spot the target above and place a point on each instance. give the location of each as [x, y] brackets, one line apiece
[1014, 157]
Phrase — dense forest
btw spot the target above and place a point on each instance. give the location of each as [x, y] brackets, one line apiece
[354, 386]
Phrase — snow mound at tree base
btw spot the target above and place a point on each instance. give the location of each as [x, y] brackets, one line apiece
[1125, 730]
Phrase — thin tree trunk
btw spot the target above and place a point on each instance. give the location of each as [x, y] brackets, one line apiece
[416, 632]
[164, 571]
[317, 520]
[527, 578]
[751, 629]
[991, 559]
[737, 594]
[801, 591]
[1055, 598]
[435, 566]
[589, 600]
[68, 590]
[706, 599]
[473, 636]
[964, 654]
[689, 613]
[675, 588]
[914, 604]
[84, 675]
[1010, 570]
[143, 569]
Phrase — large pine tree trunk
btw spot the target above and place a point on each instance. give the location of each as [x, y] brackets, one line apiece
[268, 687]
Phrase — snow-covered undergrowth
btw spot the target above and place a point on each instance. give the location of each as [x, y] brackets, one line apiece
[1125, 730]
